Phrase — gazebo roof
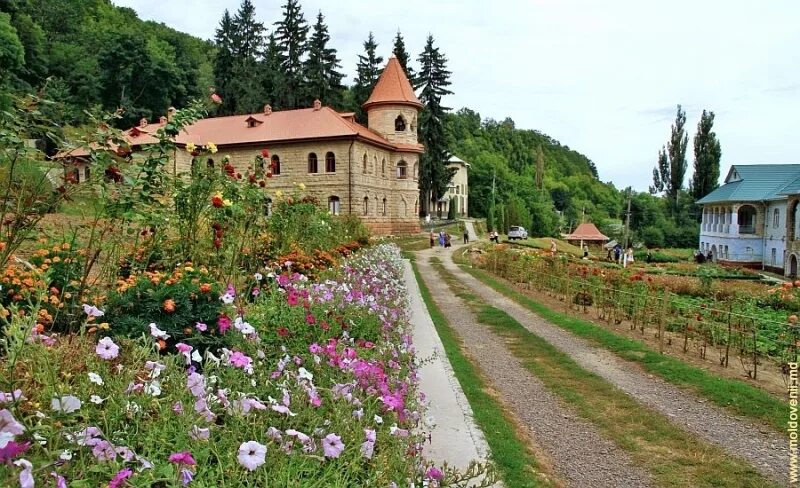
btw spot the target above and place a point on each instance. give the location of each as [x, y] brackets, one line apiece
[586, 232]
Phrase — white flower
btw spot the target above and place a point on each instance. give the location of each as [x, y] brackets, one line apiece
[42, 440]
[304, 374]
[378, 420]
[252, 455]
[258, 276]
[133, 407]
[227, 298]
[66, 404]
[158, 333]
[65, 455]
[95, 378]
[96, 399]
[153, 388]
[196, 357]
[5, 438]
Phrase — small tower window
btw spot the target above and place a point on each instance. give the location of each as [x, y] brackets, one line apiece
[312, 163]
[330, 163]
[276, 165]
[364, 169]
[333, 205]
[383, 168]
[366, 205]
[400, 124]
[402, 170]
[384, 206]
[416, 171]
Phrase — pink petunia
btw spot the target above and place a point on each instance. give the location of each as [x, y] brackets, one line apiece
[223, 323]
[240, 360]
[8, 424]
[61, 482]
[201, 326]
[332, 445]
[12, 450]
[26, 475]
[183, 457]
[434, 473]
[106, 348]
[120, 478]
[252, 455]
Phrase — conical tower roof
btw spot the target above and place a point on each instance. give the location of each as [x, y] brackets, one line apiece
[393, 88]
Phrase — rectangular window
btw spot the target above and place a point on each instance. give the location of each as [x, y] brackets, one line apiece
[774, 257]
[776, 218]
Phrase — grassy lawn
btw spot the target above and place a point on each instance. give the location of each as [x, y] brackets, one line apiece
[515, 464]
[544, 243]
[673, 456]
[737, 396]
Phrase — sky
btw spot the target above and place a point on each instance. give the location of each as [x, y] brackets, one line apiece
[602, 77]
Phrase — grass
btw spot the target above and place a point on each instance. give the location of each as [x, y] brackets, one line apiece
[738, 397]
[673, 456]
[544, 243]
[515, 464]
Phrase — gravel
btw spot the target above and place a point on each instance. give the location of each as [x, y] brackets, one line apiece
[578, 453]
[765, 449]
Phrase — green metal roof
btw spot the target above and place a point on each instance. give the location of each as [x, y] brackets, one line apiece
[755, 183]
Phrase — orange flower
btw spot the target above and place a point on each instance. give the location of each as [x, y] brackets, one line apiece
[169, 305]
[205, 288]
[162, 344]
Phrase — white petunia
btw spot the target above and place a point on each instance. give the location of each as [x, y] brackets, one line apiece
[65, 455]
[66, 404]
[158, 333]
[196, 357]
[96, 378]
[378, 419]
[304, 374]
[153, 388]
[96, 399]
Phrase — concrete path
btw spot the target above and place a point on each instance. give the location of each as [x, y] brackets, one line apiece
[454, 437]
[471, 231]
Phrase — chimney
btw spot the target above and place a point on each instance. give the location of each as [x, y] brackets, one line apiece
[267, 109]
[317, 104]
[143, 122]
[170, 113]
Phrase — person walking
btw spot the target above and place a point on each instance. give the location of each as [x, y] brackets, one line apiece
[432, 239]
[441, 238]
[466, 236]
[553, 247]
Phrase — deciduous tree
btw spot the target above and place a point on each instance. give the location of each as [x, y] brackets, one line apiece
[707, 155]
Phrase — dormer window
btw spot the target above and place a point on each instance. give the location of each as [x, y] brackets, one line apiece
[400, 124]
[252, 122]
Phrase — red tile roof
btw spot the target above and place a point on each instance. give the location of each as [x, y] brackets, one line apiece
[392, 87]
[586, 232]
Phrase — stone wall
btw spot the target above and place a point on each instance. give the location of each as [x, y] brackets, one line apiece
[381, 119]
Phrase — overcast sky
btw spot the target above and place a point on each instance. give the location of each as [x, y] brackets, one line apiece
[603, 77]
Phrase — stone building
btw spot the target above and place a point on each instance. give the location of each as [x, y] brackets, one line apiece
[457, 191]
[752, 218]
[366, 171]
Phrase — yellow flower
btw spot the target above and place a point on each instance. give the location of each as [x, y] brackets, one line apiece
[302, 186]
[212, 148]
[190, 147]
[278, 193]
[227, 203]
[104, 326]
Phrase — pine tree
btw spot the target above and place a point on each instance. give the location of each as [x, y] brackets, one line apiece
[707, 154]
[290, 34]
[399, 50]
[368, 69]
[223, 63]
[322, 81]
[433, 79]
[273, 79]
[671, 169]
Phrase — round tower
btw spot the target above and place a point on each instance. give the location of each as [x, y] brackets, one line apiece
[393, 108]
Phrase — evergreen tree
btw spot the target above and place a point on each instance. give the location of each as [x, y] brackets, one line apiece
[290, 34]
[368, 69]
[433, 80]
[223, 63]
[323, 82]
[671, 169]
[399, 50]
[707, 154]
[273, 76]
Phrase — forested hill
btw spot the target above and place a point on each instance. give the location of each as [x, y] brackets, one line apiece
[90, 54]
[568, 180]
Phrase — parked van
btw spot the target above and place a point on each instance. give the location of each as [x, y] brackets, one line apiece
[517, 232]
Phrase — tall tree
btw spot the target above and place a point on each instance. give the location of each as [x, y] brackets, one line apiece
[539, 168]
[368, 69]
[273, 76]
[223, 63]
[433, 80]
[399, 50]
[323, 81]
[707, 155]
[290, 34]
[669, 175]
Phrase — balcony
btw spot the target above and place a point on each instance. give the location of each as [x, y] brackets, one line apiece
[747, 229]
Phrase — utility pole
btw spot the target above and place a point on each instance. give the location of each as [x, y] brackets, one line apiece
[628, 221]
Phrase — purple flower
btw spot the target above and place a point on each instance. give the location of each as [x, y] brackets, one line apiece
[126, 453]
[158, 333]
[104, 451]
[183, 348]
[12, 449]
[26, 475]
[200, 433]
[60, 481]
[106, 348]
[186, 476]
[120, 478]
[13, 396]
[196, 383]
[201, 326]
[240, 360]
[434, 473]
[183, 457]
[332, 445]
[223, 323]
[9, 425]
[92, 311]
[252, 455]
[177, 407]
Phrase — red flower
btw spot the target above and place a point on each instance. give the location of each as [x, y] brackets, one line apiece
[269, 175]
[283, 332]
[265, 153]
[216, 98]
[217, 243]
[216, 201]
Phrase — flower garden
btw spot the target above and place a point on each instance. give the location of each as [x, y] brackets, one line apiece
[181, 335]
[708, 311]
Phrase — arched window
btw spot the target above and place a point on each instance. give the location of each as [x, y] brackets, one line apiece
[330, 163]
[333, 205]
[276, 165]
[747, 219]
[383, 167]
[400, 124]
[403, 208]
[383, 212]
[312, 163]
[366, 205]
[402, 170]
[375, 164]
[364, 164]
[268, 207]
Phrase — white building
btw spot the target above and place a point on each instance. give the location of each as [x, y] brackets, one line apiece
[457, 191]
[745, 220]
